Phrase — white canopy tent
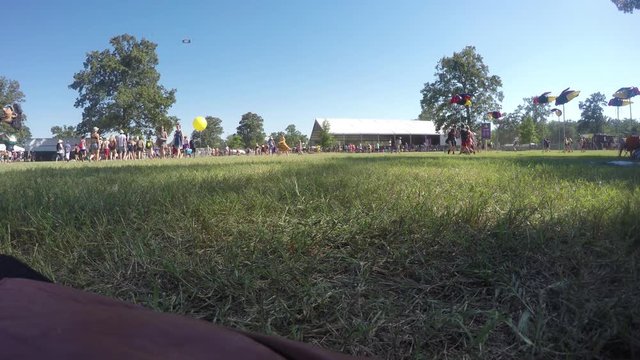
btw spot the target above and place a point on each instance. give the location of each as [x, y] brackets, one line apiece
[16, 148]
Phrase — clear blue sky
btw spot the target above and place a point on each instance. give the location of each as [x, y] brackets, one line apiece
[292, 61]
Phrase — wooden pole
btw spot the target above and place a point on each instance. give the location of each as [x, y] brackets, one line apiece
[564, 123]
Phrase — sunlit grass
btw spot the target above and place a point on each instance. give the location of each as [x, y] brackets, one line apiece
[395, 255]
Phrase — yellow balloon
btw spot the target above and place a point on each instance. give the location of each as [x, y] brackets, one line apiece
[200, 123]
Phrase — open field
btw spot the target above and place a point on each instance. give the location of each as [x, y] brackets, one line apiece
[498, 255]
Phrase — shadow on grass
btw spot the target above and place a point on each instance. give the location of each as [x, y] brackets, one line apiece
[570, 168]
[246, 248]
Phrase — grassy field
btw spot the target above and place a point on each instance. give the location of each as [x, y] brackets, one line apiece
[498, 255]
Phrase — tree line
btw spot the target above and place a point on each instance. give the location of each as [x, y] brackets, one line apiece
[466, 73]
[118, 89]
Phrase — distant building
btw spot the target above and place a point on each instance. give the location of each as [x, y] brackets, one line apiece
[372, 131]
[44, 149]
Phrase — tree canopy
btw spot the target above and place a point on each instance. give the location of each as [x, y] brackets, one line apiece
[593, 119]
[537, 112]
[292, 135]
[621, 127]
[118, 88]
[326, 138]
[463, 73]
[64, 131]
[234, 141]
[527, 131]
[627, 5]
[10, 93]
[251, 130]
[211, 136]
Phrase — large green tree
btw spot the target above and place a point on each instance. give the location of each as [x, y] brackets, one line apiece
[119, 89]
[627, 5]
[537, 113]
[234, 141]
[292, 135]
[251, 130]
[527, 131]
[10, 93]
[326, 138]
[621, 127]
[64, 131]
[464, 72]
[211, 136]
[507, 128]
[592, 116]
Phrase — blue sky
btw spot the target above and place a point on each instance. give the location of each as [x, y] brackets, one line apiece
[292, 61]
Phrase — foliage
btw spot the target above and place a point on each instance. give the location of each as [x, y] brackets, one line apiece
[169, 123]
[557, 130]
[592, 116]
[10, 93]
[293, 136]
[275, 135]
[211, 136]
[64, 131]
[118, 88]
[464, 72]
[536, 112]
[234, 141]
[326, 138]
[21, 135]
[627, 5]
[528, 131]
[621, 127]
[554, 130]
[507, 128]
[496, 256]
[251, 130]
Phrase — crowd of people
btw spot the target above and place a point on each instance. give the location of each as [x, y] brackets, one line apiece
[467, 140]
[125, 147]
[121, 146]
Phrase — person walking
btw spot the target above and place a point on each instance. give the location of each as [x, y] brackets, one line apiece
[67, 151]
[192, 146]
[177, 141]
[83, 148]
[121, 145]
[272, 145]
[451, 140]
[161, 141]
[148, 146]
[94, 145]
[282, 145]
[464, 140]
[59, 151]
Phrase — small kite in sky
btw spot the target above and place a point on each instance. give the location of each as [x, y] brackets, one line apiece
[557, 111]
[461, 99]
[186, 41]
[566, 95]
[619, 102]
[544, 98]
[626, 93]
